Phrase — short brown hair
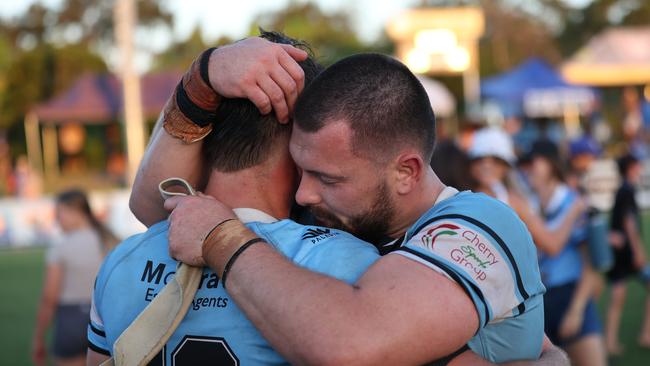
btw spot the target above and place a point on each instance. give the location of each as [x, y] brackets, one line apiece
[242, 137]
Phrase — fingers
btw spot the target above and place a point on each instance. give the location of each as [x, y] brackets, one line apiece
[295, 71]
[288, 86]
[295, 53]
[171, 202]
[260, 99]
[276, 95]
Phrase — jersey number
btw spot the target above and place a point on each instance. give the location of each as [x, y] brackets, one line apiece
[197, 350]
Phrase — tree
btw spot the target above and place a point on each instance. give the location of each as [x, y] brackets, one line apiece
[331, 35]
[179, 55]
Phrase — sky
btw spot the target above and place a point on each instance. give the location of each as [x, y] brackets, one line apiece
[232, 18]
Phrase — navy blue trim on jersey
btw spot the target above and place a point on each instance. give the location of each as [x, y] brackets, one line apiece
[392, 247]
[97, 331]
[98, 349]
[502, 244]
[454, 276]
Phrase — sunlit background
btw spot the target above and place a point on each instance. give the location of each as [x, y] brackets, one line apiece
[82, 83]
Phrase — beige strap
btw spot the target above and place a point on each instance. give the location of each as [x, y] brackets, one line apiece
[150, 331]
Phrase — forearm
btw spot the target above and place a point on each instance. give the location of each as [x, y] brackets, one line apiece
[552, 241]
[314, 319]
[633, 234]
[165, 157]
[304, 315]
[44, 317]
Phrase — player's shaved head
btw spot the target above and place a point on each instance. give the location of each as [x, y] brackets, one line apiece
[384, 104]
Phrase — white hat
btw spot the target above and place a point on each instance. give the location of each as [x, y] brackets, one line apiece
[493, 142]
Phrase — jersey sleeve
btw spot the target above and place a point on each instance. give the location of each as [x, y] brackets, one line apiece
[96, 334]
[474, 257]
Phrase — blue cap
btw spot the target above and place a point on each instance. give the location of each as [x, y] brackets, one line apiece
[584, 145]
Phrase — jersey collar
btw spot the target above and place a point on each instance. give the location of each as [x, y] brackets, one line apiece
[247, 215]
[447, 192]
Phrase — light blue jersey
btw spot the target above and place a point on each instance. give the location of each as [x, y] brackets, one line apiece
[481, 244]
[566, 266]
[214, 331]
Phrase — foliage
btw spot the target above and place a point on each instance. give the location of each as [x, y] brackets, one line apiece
[331, 35]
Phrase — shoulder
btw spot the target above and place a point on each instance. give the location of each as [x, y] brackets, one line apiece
[481, 244]
[474, 209]
[291, 236]
[155, 238]
[328, 251]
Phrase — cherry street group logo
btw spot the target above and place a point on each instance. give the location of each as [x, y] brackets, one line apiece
[431, 235]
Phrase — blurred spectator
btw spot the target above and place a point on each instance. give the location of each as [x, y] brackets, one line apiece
[630, 258]
[72, 263]
[492, 159]
[582, 152]
[570, 315]
[633, 124]
[450, 164]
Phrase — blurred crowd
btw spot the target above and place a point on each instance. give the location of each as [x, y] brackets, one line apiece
[580, 248]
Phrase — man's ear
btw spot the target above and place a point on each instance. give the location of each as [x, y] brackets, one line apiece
[409, 170]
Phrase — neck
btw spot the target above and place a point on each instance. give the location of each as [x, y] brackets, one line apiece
[419, 201]
[255, 187]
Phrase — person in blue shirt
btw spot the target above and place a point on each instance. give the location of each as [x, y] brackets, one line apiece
[568, 297]
[465, 270]
[257, 176]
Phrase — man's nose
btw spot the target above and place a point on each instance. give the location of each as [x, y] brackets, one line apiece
[307, 193]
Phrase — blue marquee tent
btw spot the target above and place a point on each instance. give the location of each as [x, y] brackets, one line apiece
[535, 89]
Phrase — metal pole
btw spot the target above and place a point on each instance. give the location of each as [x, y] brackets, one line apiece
[50, 152]
[125, 18]
[32, 135]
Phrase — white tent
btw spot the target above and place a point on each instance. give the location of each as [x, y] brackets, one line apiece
[442, 101]
[617, 56]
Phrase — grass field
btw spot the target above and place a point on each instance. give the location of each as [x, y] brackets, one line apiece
[21, 275]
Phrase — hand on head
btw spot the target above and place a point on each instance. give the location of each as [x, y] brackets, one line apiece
[264, 72]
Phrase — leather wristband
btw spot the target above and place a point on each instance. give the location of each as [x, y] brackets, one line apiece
[190, 111]
[223, 242]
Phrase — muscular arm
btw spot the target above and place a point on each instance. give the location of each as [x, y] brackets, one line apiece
[165, 157]
[265, 73]
[399, 312]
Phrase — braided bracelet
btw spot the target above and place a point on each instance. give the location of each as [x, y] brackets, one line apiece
[234, 257]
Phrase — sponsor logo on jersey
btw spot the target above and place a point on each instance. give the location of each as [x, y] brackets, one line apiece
[431, 235]
[159, 274]
[317, 234]
[461, 245]
[467, 251]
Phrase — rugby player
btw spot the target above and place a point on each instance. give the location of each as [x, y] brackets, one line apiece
[250, 168]
[400, 311]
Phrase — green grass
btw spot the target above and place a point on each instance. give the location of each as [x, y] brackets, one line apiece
[21, 278]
